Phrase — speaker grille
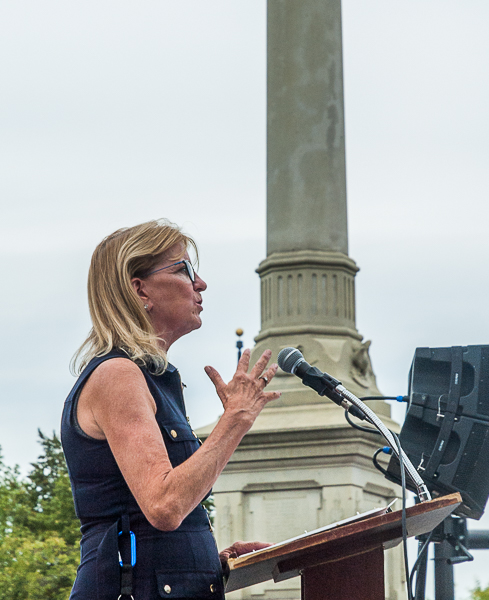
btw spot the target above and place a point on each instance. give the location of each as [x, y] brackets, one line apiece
[472, 471]
[483, 400]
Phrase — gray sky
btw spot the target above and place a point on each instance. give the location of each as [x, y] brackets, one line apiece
[118, 112]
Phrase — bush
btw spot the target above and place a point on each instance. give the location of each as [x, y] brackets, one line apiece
[39, 532]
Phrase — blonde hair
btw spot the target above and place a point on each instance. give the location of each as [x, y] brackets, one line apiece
[118, 317]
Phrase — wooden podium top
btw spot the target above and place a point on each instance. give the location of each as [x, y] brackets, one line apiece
[283, 561]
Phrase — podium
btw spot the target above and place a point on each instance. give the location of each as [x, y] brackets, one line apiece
[345, 561]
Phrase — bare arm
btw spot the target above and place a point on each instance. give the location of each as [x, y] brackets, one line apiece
[116, 405]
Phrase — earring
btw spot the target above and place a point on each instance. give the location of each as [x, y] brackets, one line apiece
[146, 307]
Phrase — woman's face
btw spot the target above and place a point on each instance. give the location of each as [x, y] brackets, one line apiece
[174, 302]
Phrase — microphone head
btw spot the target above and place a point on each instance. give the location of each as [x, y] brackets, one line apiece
[289, 359]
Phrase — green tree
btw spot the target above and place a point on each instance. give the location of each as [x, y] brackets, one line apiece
[210, 507]
[480, 594]
[39, 532]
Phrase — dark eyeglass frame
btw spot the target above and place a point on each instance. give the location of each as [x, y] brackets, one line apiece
[188, 267]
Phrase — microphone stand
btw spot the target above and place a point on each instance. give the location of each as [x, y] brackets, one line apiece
[292, 361]
[423, 492]
[333, 389]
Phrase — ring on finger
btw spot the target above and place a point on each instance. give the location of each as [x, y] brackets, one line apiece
[265, 379]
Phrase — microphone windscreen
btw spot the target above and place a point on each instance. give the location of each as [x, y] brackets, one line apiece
[289, 358]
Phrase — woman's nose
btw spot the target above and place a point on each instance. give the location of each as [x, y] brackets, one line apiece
[199, 284]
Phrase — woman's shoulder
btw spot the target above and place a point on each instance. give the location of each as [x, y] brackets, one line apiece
[116, 370]
[116, 390]
[114, 360]
[116, 384]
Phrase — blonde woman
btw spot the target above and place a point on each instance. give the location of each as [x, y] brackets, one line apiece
[137, 471]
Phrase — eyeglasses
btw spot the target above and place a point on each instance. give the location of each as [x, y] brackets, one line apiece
[188, 268]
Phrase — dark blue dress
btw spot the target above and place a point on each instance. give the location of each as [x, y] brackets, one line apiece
[177, 564]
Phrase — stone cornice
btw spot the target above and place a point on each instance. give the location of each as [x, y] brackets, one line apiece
[307, 258]
[326, 330]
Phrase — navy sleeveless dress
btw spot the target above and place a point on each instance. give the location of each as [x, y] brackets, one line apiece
[179, 564]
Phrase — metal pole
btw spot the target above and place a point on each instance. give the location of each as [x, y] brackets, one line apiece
[444, 585]
[478, 539]
[239, 343]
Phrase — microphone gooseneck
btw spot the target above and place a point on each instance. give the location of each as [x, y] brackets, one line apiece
[292, 361]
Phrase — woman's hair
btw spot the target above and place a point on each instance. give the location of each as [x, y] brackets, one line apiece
[118, 316]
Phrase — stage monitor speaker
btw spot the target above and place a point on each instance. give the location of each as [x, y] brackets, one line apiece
[446, 430]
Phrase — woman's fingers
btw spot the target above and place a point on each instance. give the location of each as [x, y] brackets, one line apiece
[246, 388]
[261, 363]
[244, 361]
[269, 374]
[245, 547]
[269, 396]
[216, 379]
[239, 548]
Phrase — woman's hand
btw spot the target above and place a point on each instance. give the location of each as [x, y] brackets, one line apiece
[239, 548]
[244, 396]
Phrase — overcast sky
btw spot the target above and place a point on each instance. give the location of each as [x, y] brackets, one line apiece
[113, 113]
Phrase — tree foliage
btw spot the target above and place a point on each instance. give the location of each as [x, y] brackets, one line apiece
[39, 532]
[480, 594]
[210, 507]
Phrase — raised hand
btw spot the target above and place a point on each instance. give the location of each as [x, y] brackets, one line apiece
[245, 394]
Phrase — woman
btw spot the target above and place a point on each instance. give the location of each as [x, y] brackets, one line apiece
[135, 464]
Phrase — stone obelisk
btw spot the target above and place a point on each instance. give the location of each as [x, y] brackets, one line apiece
[308, 279]
[301, 466]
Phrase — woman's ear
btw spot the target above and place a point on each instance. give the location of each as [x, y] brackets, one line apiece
[140, 289]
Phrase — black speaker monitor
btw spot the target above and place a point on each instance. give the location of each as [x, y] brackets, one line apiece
[446, 430]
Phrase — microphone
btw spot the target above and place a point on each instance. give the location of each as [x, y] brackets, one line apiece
[292, 361]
